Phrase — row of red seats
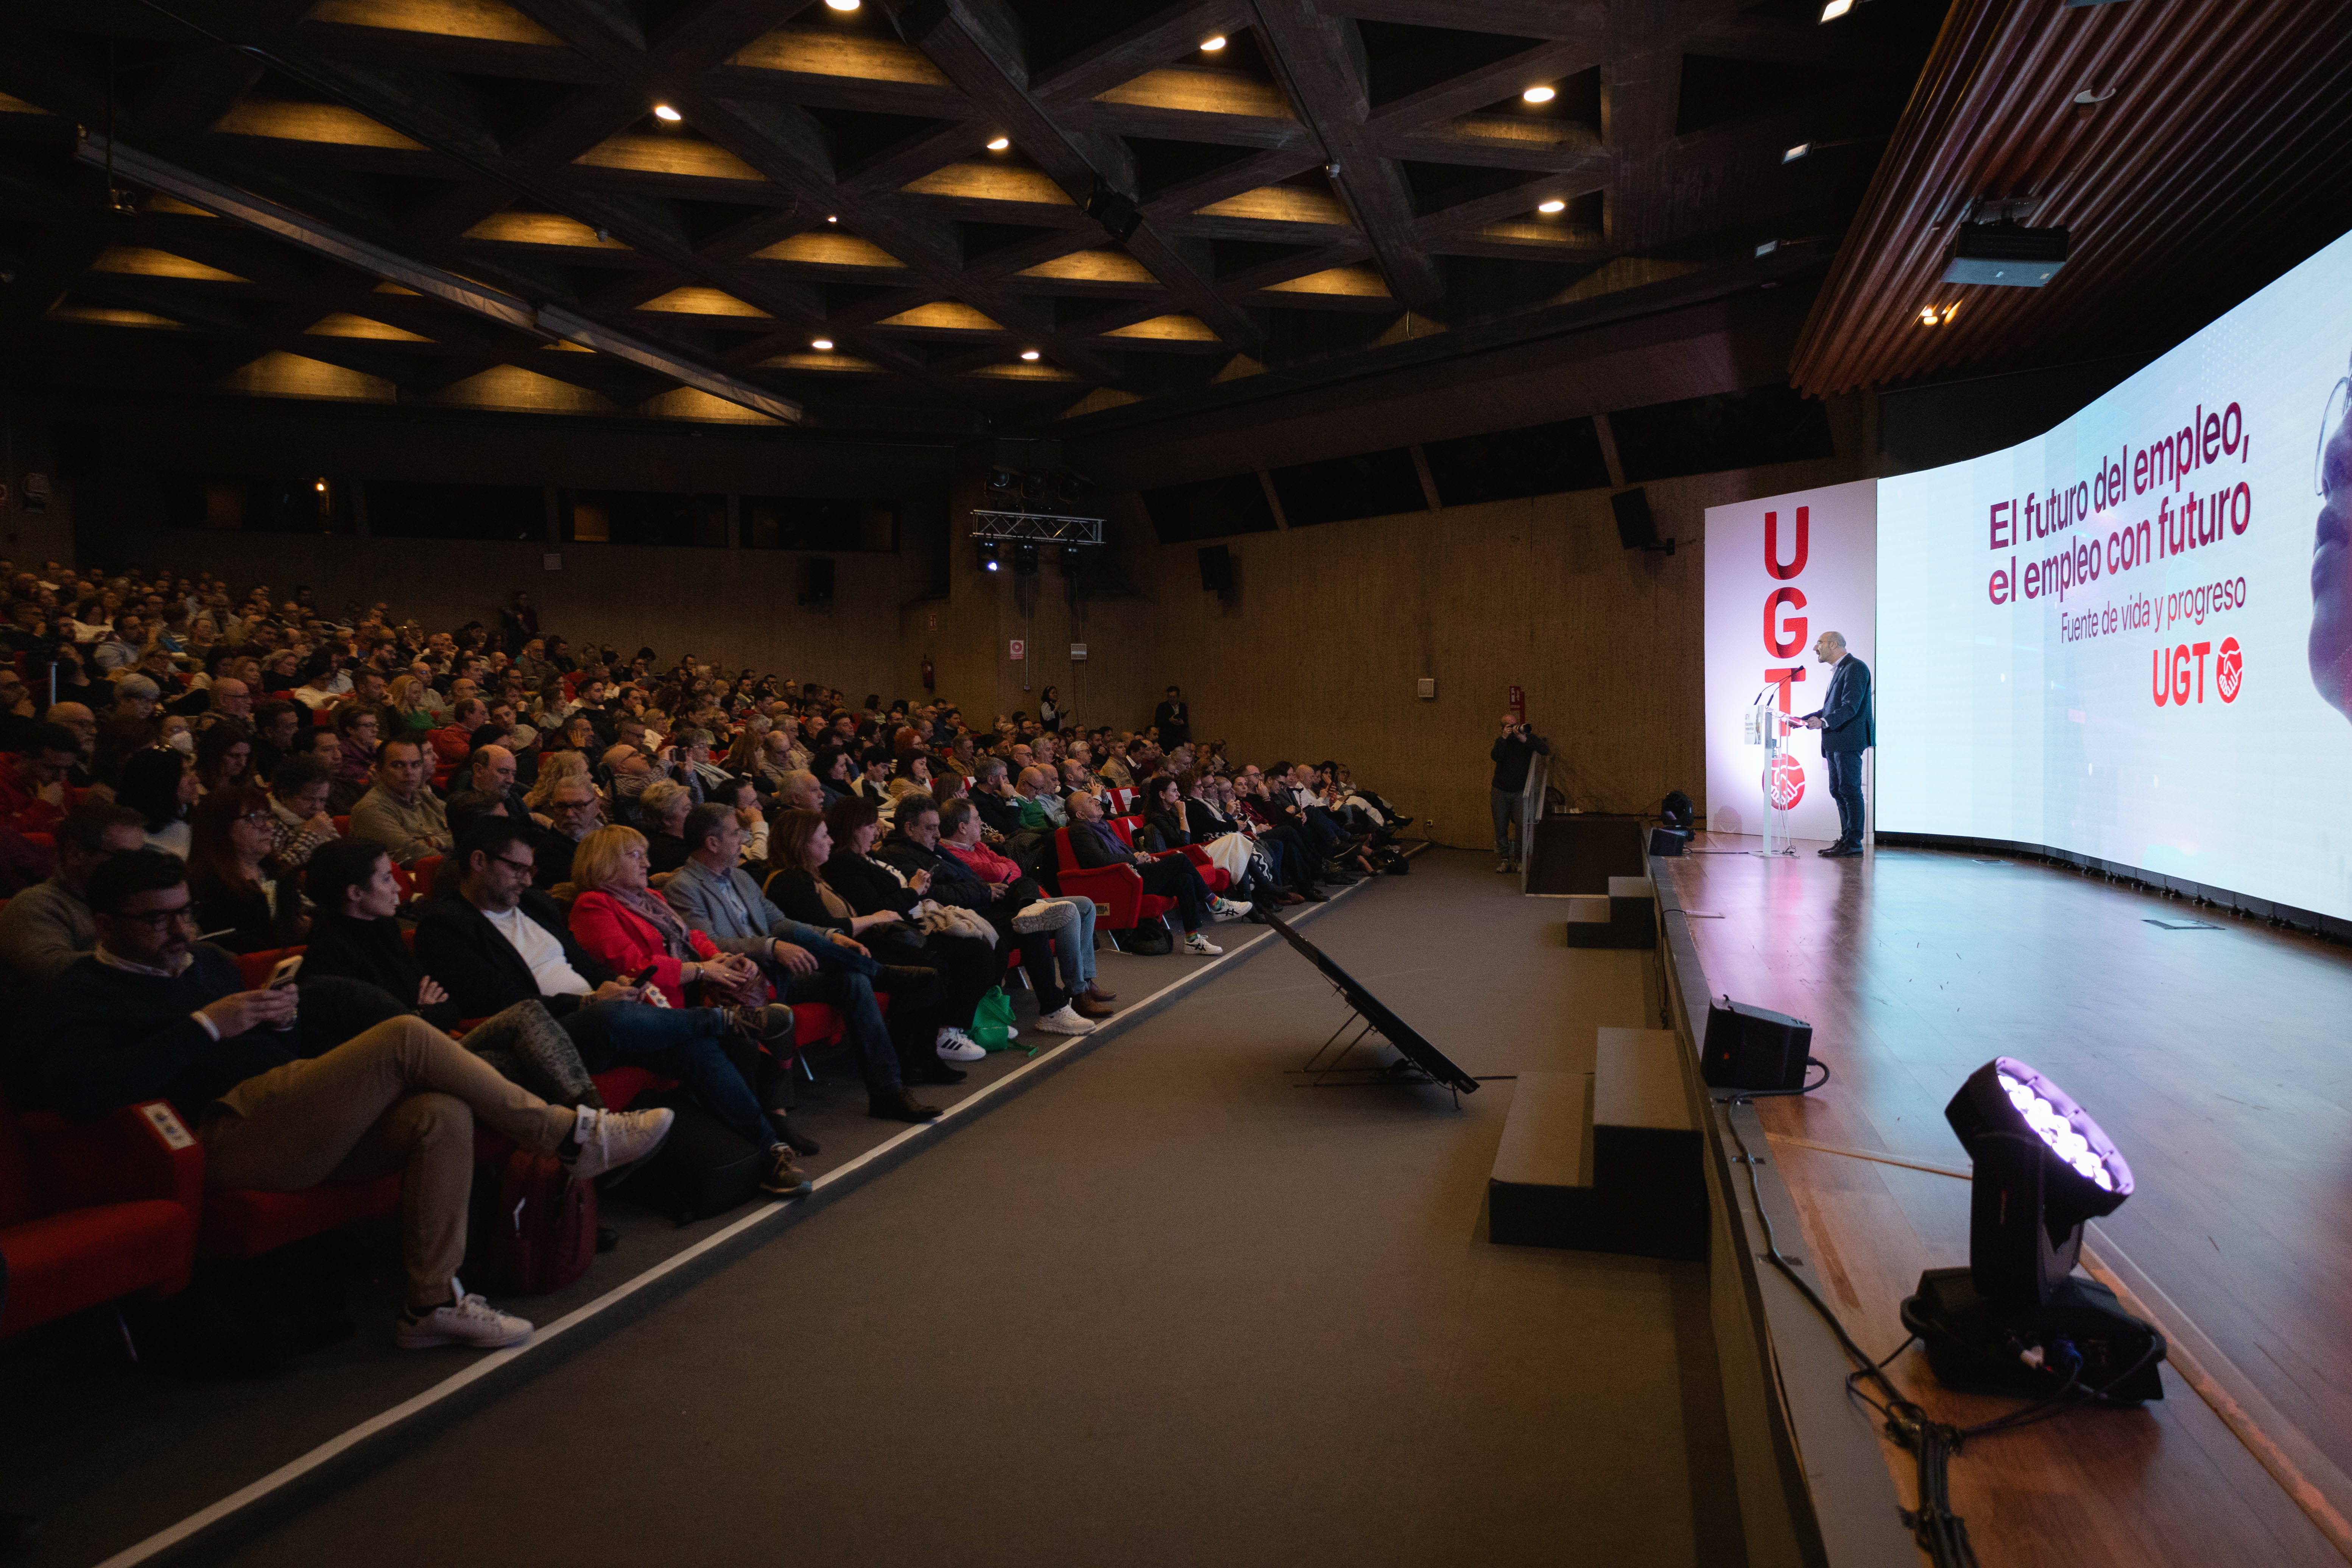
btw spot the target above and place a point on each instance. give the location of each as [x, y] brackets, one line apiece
[1118, 888]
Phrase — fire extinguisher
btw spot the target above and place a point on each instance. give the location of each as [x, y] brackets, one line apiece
[930, 683]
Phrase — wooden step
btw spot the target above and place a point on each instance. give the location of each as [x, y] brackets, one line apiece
[1645, 1146]
[1625, 916]
[1540, 1192]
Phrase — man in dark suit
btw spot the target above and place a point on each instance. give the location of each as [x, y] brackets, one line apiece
[1848, 730]
[1174, 719]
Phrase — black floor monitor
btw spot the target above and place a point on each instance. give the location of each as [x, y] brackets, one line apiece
[1420, 1062]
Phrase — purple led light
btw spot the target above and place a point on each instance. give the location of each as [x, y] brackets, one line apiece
[2064, 1127]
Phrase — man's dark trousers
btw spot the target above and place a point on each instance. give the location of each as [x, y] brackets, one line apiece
[1845, 788]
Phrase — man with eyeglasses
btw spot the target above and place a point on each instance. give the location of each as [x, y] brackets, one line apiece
[2329, 649]
[46, 928]
[152, 1014]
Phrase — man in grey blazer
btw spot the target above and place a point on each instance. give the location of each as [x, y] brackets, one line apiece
[714, 895]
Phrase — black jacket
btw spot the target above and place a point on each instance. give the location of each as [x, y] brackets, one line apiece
[99, 1038]
[1175, 722]
[952, 881]
[868, 888]
[1512, 755]
[480, 969]
[997, 812]
[1849, 726]
[371, 951]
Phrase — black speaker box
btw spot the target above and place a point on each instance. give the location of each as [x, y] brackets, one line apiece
[1636, 529]
[1753, 1048]
[1668, 841]
[1217, 569]
[816, 586]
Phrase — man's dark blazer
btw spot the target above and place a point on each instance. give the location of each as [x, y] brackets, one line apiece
[480, 967]
[1848, 725]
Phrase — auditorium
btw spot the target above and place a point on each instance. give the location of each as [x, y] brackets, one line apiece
[1323, 783]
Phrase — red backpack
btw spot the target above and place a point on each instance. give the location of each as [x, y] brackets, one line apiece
[532, 1226]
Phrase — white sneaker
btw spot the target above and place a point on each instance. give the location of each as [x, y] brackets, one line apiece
[1046, 914]
[1064, 1021]
[467, 1320]
[1201, 946]
[1502, 865]
[611, 1139]
[955, 1046]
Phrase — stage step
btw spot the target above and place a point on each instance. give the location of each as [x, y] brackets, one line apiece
[1603, 1162]
[1625, 917]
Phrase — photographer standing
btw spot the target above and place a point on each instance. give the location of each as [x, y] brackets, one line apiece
[1513, 751]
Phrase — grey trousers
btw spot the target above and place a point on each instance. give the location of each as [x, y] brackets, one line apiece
[1506, 803]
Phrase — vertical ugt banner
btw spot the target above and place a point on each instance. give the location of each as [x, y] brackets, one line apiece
[1779, 572]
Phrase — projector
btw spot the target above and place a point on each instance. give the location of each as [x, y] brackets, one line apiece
[2007, 254]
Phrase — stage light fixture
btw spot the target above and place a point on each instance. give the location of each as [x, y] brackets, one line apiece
[1071, 560]
[1539, 94]
[843, 5]
[1029, 353]
[1799, 150]
[1212, 45]
[1836, 9]
[999, 143]
[1024, 561]
[988, 555]
[663, 111]
[1002, 480]
[1554, 205]
[822, 345]
[2016, 1318]
[831, 217]
[1119, 213]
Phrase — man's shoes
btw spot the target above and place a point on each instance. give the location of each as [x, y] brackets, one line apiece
[771, 1026]
[1094, 992]
[1502, 865]
[917, 986]
[1202, 947]
[467, 1320]
[1842, 852]
[955, 1046]
[1832, 850]
[1065, 1020]
[1087, 1007]
[897, 1105]
[785, 1179]
[1314, 895]
[609, 1139]
[798, 1141]
[1046, 914]
[1285, 898]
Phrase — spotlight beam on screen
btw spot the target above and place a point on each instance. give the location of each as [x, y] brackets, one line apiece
[548, 322]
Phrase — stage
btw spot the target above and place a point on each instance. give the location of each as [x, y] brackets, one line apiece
[2215, 1059]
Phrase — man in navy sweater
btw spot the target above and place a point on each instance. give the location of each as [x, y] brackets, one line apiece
[152, 1014]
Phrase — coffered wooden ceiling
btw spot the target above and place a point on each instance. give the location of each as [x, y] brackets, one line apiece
[837, 176]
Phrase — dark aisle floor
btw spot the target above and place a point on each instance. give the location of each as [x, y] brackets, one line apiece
[1163, 1306]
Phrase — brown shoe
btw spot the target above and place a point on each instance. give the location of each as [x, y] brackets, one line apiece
[1089, 1008]
[1094, 992]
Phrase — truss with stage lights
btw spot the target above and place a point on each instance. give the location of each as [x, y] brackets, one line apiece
[1041, 527]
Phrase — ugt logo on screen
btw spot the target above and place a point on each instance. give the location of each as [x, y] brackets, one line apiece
[2178, 676]
[1784, 783]
[2230, 670]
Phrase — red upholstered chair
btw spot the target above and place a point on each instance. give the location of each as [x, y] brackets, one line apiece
[89, 1214]
[239, 1224]
[342, 827]
[254, 968]
[1116, 887]
[1215, 876]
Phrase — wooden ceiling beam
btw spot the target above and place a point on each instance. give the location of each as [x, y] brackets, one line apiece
[1561, 19]
[1126, 54]
[1505, 78]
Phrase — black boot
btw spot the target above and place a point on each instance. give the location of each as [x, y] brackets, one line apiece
[894, 1104]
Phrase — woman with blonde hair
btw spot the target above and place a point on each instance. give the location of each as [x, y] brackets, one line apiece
[662, 808]
[406, 696]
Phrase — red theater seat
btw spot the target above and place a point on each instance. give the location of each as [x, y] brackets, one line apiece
[89, 1214]
[1117, 888]
[243, 1223]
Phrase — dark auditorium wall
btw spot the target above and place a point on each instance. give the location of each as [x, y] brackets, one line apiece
[1319, 649]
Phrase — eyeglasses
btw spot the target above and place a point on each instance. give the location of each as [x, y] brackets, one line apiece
[524, 868]
[162, 919]
[2337, 398]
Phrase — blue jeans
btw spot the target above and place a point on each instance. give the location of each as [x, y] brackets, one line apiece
[843, 981]
[1845, 788]
[676, 1042]
[1074, 946]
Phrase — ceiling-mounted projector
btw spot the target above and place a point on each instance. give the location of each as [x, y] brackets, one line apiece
[2006, 254]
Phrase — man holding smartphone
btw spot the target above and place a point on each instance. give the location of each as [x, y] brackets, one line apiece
[1514, 751]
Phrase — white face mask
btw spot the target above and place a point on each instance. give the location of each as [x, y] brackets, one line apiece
[182, 741]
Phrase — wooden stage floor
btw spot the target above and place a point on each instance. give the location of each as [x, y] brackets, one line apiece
[2220, 1061]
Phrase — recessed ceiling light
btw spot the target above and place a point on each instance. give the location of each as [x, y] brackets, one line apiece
[842, 4]
[321, 485]
[1028, 353]
[1539, 95]
[821, 343]
[1213, 45]
[1554, 205]
[1799, 150]
[1927, 317]
[664, 111]
[830, 218]
[1000, 143]
[1836, 9]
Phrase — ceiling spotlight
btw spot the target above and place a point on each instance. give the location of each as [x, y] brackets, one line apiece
[1799, 150]
[988, 555]
[842, 4]
[1554, 205]
[831, 217]
[998, 144]
[821, 345]
[1029, 353]
[1927, 317]
[1539, 95]
[664, 111]
[1213, 45]
[1003, 481]
[1836, 9]
[321, 487]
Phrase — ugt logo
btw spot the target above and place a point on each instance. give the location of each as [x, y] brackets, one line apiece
[1784, 783]
[2230, 670]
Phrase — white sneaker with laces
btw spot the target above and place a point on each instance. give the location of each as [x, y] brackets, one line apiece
[954, 1046]
[1224, 909]
[1046, 914]
[1064, 1021]
[467, 1320]
[611, 1139]
[1201, 946]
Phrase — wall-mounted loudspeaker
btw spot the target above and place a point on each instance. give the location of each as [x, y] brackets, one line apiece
[1636, 529]
[1217, 569]
[816, 581]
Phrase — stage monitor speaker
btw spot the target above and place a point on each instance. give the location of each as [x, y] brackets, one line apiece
[1636, 529]
[1754, 1048]
[1217, 569]
[817, 583]
[1669, 841]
